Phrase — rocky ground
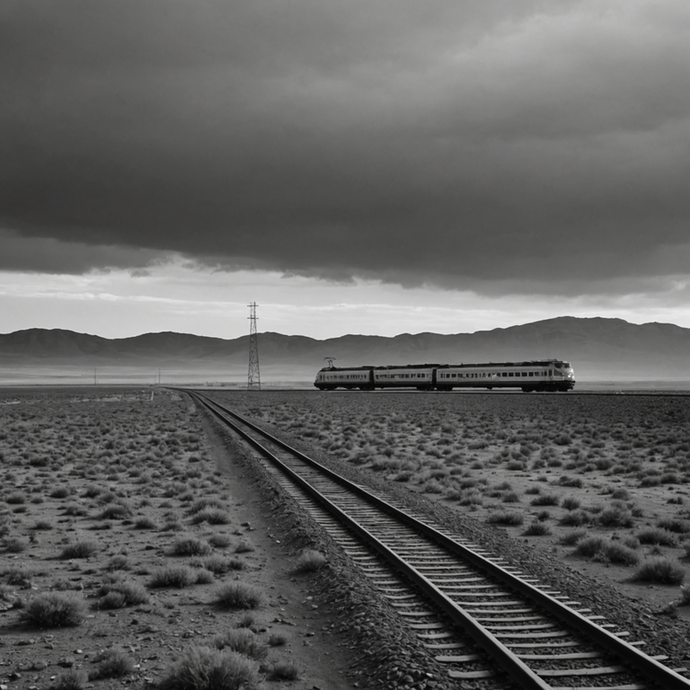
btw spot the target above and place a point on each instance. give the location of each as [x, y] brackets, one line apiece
[68, 459]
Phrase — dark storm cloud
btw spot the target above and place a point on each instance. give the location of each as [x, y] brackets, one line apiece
[49, 255]
[475, 144]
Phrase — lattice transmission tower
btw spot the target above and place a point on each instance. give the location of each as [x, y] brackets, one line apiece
[254, 376]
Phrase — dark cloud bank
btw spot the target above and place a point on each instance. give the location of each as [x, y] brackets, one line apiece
[486, 145]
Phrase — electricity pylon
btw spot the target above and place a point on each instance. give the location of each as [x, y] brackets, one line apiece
[254, 376]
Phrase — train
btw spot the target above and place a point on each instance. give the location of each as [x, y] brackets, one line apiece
[537, 375]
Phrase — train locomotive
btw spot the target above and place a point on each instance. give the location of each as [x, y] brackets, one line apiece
[538, 375]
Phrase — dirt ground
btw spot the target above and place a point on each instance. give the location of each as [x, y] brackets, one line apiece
[65, 459]
[128, 472]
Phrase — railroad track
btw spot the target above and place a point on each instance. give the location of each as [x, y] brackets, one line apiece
[471, 610]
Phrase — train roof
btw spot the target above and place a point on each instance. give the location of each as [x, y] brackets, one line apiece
[532, 362]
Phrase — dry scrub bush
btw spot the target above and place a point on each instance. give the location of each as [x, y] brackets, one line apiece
[54, 610]
[243, 641]
[674, 525]
[214, 516]
[173, 576]
[576, 518]
[570, 503]
[239, 595]
[79, 549]
[112, 663]
[657, 537]
[537, 529]
[218, 564]
[202, 668]
[220, 541]
[116, 593]
[145, 523]
[615, 517]
[190, 546]
[118, 562]
[606, 551]
[572, 538]
[309, 561]
[115, 511]
[282, 671]
[546, 500]
[71, 679]
[506, 517]
[662, 570]
[204, 577]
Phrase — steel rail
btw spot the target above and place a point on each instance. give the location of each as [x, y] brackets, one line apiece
[650, 668]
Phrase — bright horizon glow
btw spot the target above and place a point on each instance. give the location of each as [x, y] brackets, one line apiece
[177, 297]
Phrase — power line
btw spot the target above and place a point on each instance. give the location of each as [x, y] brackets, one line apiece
[254, 376]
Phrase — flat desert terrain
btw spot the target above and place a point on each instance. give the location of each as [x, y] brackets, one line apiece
[138, 547]
[601, 482]
[134, 551]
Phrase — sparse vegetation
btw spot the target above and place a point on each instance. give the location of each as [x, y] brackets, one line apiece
[202, 668]
[662, 570]
[309, 561]
[173, 576]
[71, 679]
[136, 482]
[506, 517]
[239, 595]
[243, 641]
[112, 663]
[79, 549]
[190, 546]
[54, 610]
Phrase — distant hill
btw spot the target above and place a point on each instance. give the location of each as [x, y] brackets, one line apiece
[598, 348]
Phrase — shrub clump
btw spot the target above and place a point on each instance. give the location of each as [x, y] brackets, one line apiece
[79, 549]
[71, 679]
[54, 610]
[573, 537]
[239, 595]
[537, 529]
[656, 536]
[217, 564]
[607, 551]
[576, 518]
[115, 511]
[202, 668]
[243, 641]
[173, 576]
[506, 517]
[214, 516]
[190, 546]
[615, 517]
[570, 503]
[545, 500]
[116, 593]
[219, 540]
[282, 671]
[309, 561]
[112, 663]
[674, 525]
[667, 571]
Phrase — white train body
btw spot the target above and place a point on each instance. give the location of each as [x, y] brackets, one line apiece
[536, 375]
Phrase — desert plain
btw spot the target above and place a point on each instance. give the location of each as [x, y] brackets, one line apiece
[136, 544]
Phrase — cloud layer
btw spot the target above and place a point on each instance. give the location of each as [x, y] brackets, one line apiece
[498, 146]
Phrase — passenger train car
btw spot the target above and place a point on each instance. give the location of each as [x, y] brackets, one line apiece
[539, 375]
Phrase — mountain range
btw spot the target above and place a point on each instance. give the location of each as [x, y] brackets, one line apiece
[599, 349]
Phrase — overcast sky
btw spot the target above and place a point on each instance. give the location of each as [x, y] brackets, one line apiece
[353, 166]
